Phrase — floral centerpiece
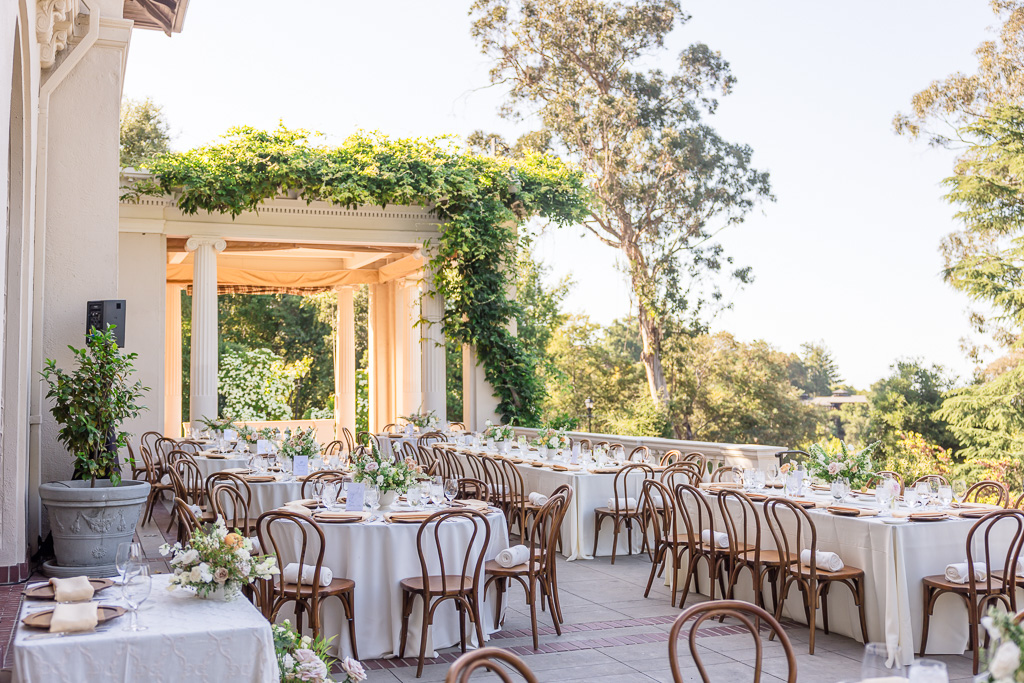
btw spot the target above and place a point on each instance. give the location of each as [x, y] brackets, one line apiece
[302, 659]
[426, 421]
[1004, 663]
[300, 443]
[217, 424]
[267, 433]
[549, 437]
[391, 477]
[216, 561]
[247, 434]
[836, 460]
[499, 432]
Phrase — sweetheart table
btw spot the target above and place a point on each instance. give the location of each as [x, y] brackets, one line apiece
[187, 639]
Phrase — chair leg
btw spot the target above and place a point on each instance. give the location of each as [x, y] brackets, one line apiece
[552, 577]
[350, 609]
[927, 618]
[615, 537]
[863, 619]
[531, 596]
[973, 622]
[812, 609]
[659, 555]
[423, 637]
[786, 581]
[499, 586]
[551, 604]
[629, 535]
[406, 611]
[461, 609]
[824, 608]
[598, 520]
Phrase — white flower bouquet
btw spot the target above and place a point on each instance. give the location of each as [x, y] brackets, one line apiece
[300, 443]
[215, 559]
[373, 469]
[499, 432]
[426, 421]
[302, 659]
[1004, 655]
[836, 460]
[551, 438]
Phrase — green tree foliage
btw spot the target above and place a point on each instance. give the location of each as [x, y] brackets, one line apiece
[962, 99]
[665, 182]
[987, 418]
[255, 384]
[145, 133]
[541, 307]
[905, 402]
[815, 372]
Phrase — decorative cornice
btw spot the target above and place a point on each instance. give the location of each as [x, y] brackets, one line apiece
[55, 20]
[194, 243]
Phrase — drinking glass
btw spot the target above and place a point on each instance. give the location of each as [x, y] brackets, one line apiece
[928, 671]
[135, 589]
[884, 496]
[924, 492]
[772, 474]
[506, 446]
[329, 494]
[873, 664]
[414, 496]
[451, 489]
[959, 490]
[371, 497]
[794, 483]
[912, 498]
[128, 553]
[318, 491]
[840, 488]
[584, 452]
[945, 495]
[436, 494]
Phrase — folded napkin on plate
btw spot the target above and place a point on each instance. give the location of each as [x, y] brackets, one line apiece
[928, 515]
[297, 509]
[236, 470]
[957, 573]
[824, 560]
[605, 470]
[721, 538]
[472, 503]
[291, 574]
[216, 455]
[977, 506]
[260, 478]
[81, 616]
[720, 485]
[510, 557]
[75, 589]
[538, 498]
[341, 516]
[411, 516]
[304, 502]
[565, 468]
[806, 502]
[624, 503]
[851, 511]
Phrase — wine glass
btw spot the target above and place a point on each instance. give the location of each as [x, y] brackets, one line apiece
[318, 491]
[884, 496]
[772, 474]
[874, 666]
[912, 497]
[928, 671]
[451, 489]
[414, 496]
[330, 494]
[945, 495]
[436, 494]
[924, 492]
[839, 489]
[135, 589]
[127, 553]
[372, 499]
[959, 490]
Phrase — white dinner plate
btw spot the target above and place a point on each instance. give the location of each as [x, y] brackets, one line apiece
[895, 520]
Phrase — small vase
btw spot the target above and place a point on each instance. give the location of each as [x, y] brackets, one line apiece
[223, 593]
[387, 500]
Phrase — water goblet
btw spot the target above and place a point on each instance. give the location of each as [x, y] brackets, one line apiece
[451, 489]
[135, 589]
[414, 496]
[794, 483]
[911, 497]
[318, 491]
[330, 494]
[945, 495]
[839, 489]
[928, 671]
[436, 494]
[128, 553]
[884, 496]
[772, 474]
[924, 492]
[959, 490]
[372, 500]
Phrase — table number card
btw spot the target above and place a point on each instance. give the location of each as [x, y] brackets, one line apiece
[262, 446]
[356, 497]
[300, 465]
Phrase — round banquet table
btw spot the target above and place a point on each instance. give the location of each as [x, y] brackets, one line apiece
[272, 495]
[208, 466]
[377, 556]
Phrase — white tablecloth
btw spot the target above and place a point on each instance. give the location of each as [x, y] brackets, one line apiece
[271, 495]
[208, 466]
[188, 639]
[377, 556]
[895, 559]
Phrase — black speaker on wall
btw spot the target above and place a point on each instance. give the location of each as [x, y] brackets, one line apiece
[99, 314]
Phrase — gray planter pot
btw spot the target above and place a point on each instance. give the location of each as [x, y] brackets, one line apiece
[88, 523]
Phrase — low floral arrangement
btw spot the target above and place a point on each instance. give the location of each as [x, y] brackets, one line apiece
[373, 469]
[247, 434]
[302, 659]
[217, 424]
[551, 438]
[427, 420]
[499, 432]
[216, 559]
[1004, 663]
[300, 443]
[835, 460]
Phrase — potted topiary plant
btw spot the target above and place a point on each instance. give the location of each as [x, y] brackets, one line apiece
[95, 511]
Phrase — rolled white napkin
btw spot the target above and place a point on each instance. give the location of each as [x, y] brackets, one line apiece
[80, 616]
[657, 501]
[510, 557]
[257, 549]
[196, 511]
[824, 560]
[957, 573]
[291, 574]
[624, 503]
[74, 589]
[538, 498]
[721, 538]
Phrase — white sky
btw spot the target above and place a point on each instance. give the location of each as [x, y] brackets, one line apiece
[847, 254]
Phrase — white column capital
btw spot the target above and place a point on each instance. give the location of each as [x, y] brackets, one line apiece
[194, 243]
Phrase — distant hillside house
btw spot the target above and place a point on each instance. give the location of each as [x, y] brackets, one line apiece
[838, 399]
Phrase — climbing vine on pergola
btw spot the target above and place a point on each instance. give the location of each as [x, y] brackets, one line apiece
[480, 199]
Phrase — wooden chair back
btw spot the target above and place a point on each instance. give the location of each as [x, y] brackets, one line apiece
[190, 447]
[750, 617]
[187, 522]
[410, 452]
[431, 438]
[621, 484]
[681, 472]
[793, 530]
[185, 473]
[302, 533]
[335, 447]
[657, 496]
[694, 513]
[425, 457]
[456, 427]
[988, 491]
[999, 551]
[514, 494]
[350, 441]
[724, 474]
[640, 454]
[476, 465]
[547, 528]
[430, 544]
[322, 475]
[366, 439]
[230, 504]
[878, 476]
[228, 479]
[491, 659]
[148, 441]
[942, 479]
[473, 489]
[451, 464]
[585, 442]
[671, 457]
[390, 428]
[741, 523]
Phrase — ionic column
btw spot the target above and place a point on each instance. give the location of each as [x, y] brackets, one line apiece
[172, 363]
[433, 375]
[345, 364]
[203, 389]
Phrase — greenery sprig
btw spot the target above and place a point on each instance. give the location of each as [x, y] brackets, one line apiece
[480, 199]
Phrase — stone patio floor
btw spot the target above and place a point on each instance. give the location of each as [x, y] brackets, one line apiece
[611, 633]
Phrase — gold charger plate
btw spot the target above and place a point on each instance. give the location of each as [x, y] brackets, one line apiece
[42, 619]
[45, 591]
[338, 518]
[927, 517]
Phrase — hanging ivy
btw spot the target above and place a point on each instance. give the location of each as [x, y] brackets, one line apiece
[481, 201]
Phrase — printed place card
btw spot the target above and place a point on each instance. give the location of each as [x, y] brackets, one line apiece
[356, 497]
[300, 465]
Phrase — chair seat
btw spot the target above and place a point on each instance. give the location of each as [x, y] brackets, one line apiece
[333, 588]
[631, 512]
[493, 568]
[706, 547]
[456, 584]
[941, 582]
[841, 575]
[767, 556]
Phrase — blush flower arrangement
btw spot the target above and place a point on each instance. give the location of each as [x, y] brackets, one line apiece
[426, 421]
[302, 442]
[499, 432]
[215, 559]
[836, 460]
[302, 659]
[551, 438]
[373, 469]
[1004, 662]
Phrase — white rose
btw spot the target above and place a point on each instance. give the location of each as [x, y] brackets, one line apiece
[196, 575]
[204, 572]
[380, 478]
[353, 669]
[287, 662]
[1005, 662]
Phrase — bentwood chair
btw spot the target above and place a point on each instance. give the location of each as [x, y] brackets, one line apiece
[350, 441]
[187, 522]
[335, 447]
[639, 454]
[724, 475]
[367, 439]
[322, 475]
[742, 524]
[620, 513]
[942, 479]
[698, 459]
[878, 476]
[680, 472]
[515, 498]
[229, 503]
[148, 441]
[791, 525]
[409, 452]
[451, 464]
[278, 532]
[988, 491]
[390, 428]
[156, 484]
[431, 438]
[491, 659]
[1000, 561]
[188, 484]
[536, 575]
[473, 489]
[456, 427]
[694, 512]
[458, 578]
[750, 616]
[138, 465]
[667, 543]
[671, 457]
[425, 457]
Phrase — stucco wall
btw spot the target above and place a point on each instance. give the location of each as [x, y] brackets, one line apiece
[142, 275]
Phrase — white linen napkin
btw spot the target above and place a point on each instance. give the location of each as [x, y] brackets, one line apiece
[510, 557]
[298, 509]
[538, 498]
[291, 574]
[1020, 567]
[721, 538]
[624, 503]
[257, 549]
[824, 560]
[80, 616]
[957, 573]
[75, 589]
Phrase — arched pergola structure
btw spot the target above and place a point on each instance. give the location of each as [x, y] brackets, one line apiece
[294, 247]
